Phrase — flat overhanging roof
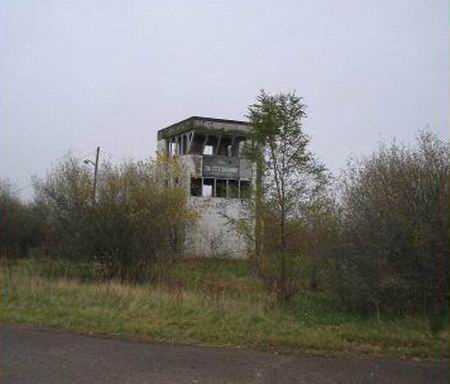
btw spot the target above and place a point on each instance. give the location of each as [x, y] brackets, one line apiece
[206, 125]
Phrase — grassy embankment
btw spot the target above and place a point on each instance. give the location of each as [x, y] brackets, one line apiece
[204, 302]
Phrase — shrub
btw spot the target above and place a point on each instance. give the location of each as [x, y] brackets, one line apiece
[393, 254]
[136, 217]
[20, 227]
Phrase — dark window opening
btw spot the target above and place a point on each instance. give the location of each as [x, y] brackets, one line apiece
[221, 188]
[225, 142]
[245, 189]
[184, 142]
[196, 186]
[197, 144]
[208, 188]
[201, 144]
[233, 189]
[235, 147]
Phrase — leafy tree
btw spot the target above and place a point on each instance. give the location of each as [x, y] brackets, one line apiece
[289, 172]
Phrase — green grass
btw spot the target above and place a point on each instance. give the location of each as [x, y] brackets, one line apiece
[206, 302]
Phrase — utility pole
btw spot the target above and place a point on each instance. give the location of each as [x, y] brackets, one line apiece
[95, 174]
[87, 161]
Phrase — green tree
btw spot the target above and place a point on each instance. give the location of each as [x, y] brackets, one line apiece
[289, 172]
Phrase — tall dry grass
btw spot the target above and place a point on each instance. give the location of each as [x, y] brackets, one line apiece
[177, 310]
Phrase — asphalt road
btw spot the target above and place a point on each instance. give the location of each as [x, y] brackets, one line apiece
[29, 355]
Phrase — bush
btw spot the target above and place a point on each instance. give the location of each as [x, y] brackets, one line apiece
[312, 236]
[394, 235]
[20, 227]
[136, 216]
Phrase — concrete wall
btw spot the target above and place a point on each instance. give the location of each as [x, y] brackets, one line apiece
[214, 235]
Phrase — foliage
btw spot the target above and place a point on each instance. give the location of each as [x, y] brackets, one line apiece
[136, 217]
[395, 237]
[20, 227]
[290, 174]
[315, 233]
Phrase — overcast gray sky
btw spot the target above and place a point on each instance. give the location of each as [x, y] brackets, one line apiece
[77, 74]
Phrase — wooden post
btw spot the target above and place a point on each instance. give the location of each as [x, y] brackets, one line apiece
[95, 174]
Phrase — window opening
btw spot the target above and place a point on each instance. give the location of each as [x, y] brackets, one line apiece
[172, 148]
[208, 150]
[225, 143]
[221, 188]
[210, 145]
[208, 188]
[233, 189]
[245, 189]
[184, 142]
[197, 144]
[196, 186]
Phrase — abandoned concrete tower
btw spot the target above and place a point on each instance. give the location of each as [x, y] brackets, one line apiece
[218, 180]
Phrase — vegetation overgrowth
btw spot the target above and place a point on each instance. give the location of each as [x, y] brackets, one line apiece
[358, 261]
[210, 302]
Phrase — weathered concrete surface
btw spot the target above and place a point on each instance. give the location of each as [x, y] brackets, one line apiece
[36, 356]
[213, 235]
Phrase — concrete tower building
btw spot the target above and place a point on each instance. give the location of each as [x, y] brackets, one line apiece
[218, 181]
